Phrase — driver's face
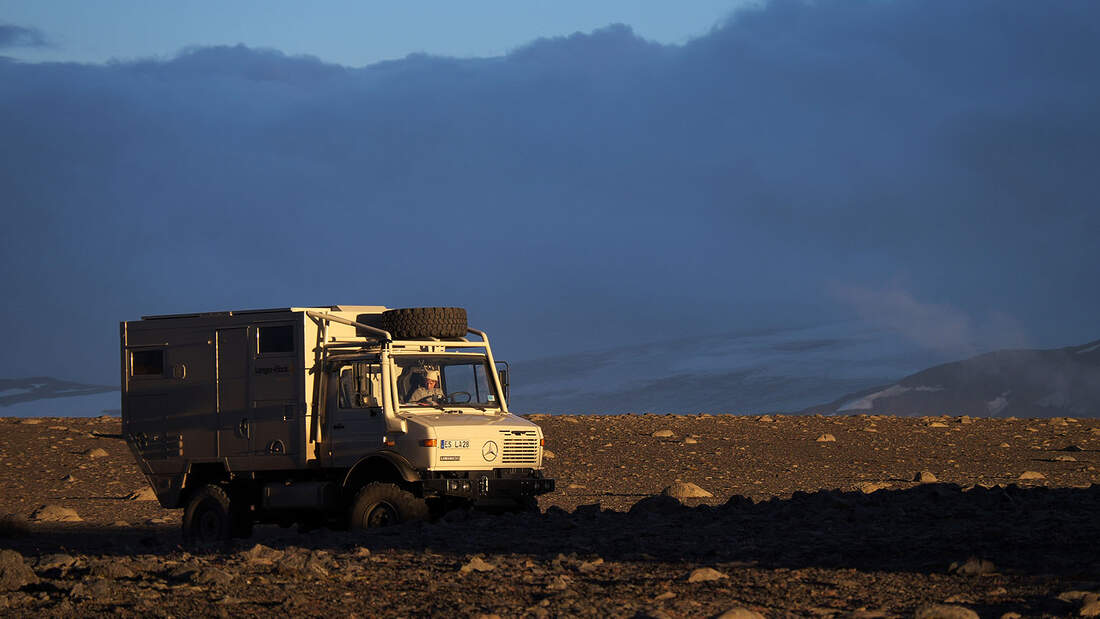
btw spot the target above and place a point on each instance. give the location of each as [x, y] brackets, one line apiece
[431, 382]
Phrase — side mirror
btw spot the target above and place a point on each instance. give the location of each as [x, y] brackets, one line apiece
[502, 373]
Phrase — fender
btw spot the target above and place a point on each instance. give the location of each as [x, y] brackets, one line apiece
[390, 460]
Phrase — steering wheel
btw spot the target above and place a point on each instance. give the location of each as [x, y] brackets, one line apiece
[451, 397]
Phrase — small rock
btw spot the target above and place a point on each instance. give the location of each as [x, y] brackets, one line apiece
[1005, 445]
[667, 595]
[145, 493]
[31, 422]
[576, 487]
[873, 486]
[705, 574]
[14, 572]
[972, 567]
[925, 477]
[260, 555]
[58, 561]
[98, 452]
[944, 611]
[68, 478]
[590, 566]
[547, 454]
[937, 424]
[685, 490]
[1073, 596]
[663, 434]
[112, 570]
[1032, 475]
[1090, 608]
[826, 438]
[765, 418]
[97, 589]
[477, 564]
[211, 576]
[55, 513]
[690, 441]
[1065, 459]
[559, 583]
[740, 612]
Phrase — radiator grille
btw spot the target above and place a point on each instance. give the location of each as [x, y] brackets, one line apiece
[520, 450]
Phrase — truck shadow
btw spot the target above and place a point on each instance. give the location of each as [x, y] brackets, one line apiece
[1023, 530]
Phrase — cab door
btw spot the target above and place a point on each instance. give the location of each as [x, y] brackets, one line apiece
[356, 424]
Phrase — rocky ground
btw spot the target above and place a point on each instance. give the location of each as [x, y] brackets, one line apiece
[810, 516]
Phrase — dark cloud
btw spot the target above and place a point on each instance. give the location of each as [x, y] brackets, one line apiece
[18, 36]
[576, 194]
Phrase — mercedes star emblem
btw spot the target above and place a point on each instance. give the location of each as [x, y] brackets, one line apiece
[489, 451]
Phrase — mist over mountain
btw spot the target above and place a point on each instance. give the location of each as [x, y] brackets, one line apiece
[924, 167]
[1062, 382]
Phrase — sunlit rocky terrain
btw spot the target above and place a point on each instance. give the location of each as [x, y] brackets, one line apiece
[862, 516]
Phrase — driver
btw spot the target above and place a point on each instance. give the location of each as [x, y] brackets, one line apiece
[427, 390]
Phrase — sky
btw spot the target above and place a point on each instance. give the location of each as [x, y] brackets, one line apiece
[345, 32]
[580, 183]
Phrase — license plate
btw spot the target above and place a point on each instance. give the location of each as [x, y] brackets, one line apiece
[446, 444]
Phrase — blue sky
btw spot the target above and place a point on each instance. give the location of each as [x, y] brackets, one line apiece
[926, 167]
[344, 32]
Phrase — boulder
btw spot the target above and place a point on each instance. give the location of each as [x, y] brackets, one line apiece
[705, 574]
[685, 490]
[14, 572]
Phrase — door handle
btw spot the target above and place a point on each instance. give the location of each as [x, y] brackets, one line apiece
[338, 426]
[243, 428]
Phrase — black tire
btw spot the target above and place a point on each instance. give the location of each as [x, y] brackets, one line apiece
[415, 322]
[381, 505]
[208, 517]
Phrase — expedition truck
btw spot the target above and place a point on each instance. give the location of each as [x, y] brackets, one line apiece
[322, 416]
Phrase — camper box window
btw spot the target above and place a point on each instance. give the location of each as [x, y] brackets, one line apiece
[147, 363]
[275, 339]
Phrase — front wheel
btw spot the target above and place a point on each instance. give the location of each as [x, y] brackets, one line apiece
[381, 505]
[208, 518]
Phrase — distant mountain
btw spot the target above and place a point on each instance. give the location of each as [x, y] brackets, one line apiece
[748, 371]
[1062, 382]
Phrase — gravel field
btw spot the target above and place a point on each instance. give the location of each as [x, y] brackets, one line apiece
[863, 516]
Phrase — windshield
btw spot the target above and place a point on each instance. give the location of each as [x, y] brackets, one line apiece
[437, 381]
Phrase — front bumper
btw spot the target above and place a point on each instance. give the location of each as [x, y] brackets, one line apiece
[487, 488]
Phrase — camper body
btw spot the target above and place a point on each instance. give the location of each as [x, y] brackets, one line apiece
[305, 414]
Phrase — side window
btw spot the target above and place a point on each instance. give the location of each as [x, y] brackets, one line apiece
[147, 363]
[275, 339]
[360, 386]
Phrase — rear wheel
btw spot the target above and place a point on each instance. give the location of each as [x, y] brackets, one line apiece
[381, 505]
[208, 517]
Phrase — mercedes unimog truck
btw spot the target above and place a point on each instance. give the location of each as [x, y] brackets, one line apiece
[347, 416]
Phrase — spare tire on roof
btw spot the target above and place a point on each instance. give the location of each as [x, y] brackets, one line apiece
[416, 322]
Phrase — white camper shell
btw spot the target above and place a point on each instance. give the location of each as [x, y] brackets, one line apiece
[321, 415]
